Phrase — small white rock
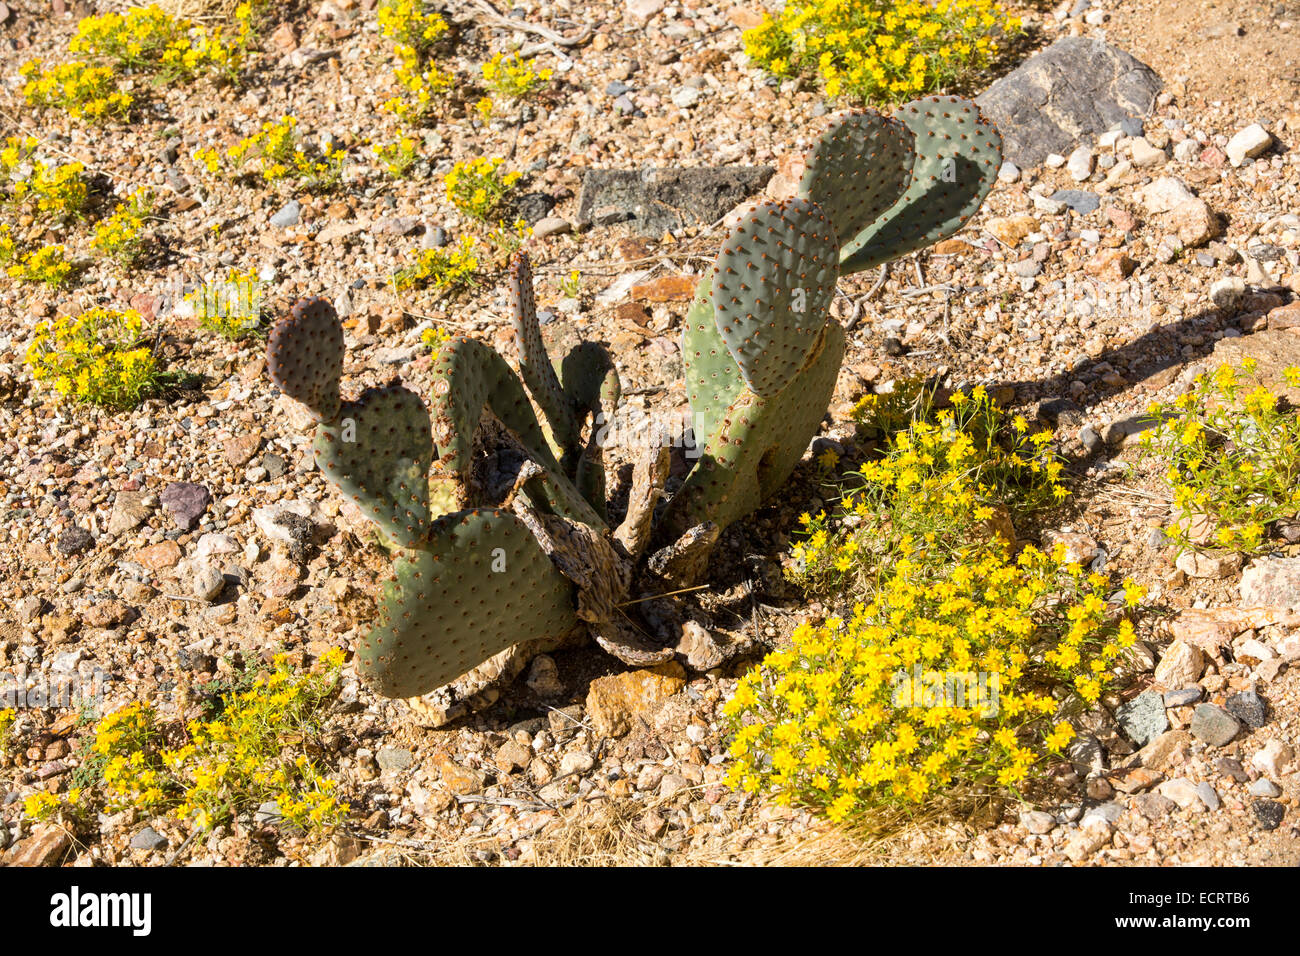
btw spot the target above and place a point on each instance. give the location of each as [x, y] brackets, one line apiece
[1144, 154]
[1080, 164]
[1248, 143]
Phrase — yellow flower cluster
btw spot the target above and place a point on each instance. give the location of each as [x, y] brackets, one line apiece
[1231, 458]
[279, 152]
[422, 88]
[514, 78]
[571, 285]
[95, 357]
[421, 81]
[41, 806]
[7, 719]
[434, 338]
[47, 190]
[444, 270]
[413, 30]
[230, 763]
[232, 308]
[476, 186]
[399, 156]
[48, 265]
[952, 665]
[83, 90]
[149, 39]
[880, 50]
[119, 236]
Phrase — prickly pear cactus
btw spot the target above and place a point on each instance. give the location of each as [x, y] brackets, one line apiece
[761, 351]
[496, 521]
[492, 540]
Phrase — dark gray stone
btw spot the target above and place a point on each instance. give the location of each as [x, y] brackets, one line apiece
[1183, 697]
[1214, 725]
[184, 503]
[1082, 201]
[659, 199]
[274, 464]
[148, 839]
[1268, 813]
[1076, 88]
[532, 208]
[75, 540]
[1248, 707]
[1143, 718]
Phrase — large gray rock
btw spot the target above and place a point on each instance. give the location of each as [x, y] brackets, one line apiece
[1074, 89]
[655, 200]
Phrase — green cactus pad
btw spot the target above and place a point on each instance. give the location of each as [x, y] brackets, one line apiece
[534, 364]
[772, 287]
[958, 153]
[592, 385]
[304, 356]
[758, 442]
[378, 451]
[858, 168]
[447, 609]
[713, 379]
[469, 378]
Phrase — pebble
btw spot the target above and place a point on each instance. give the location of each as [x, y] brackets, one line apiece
[1263, 787]
[1082, 201]
[685, 97]
[393, 758]
[1268, 813]
[1183, 698]
[552, 226]
[1272, 758]
[1144, 154]
[1248, 707]
[1248, 143]
[207, 583]
[75, 540]
[1036, 821]
[185, 502]
[1181, 665]
[1143, 718]
[1080, 163]
[1009, 172]
[1213, 725]
[287, 215]
[148, 839]
[1187, 151]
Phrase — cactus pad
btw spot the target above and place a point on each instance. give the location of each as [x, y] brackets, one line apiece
[534, 364]
[772, 286]
[758, 442]
[469, 378]
[713, 379]
[958, 153]
[378, 450]
[448, 609]
[858, 168]
[304, 356]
